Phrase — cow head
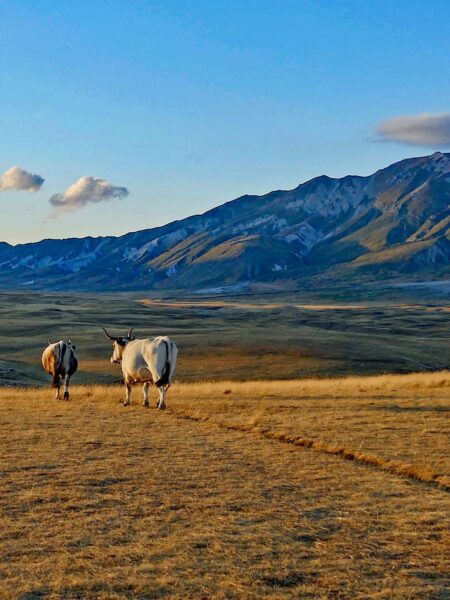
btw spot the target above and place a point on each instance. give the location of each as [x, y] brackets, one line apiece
[119, 344]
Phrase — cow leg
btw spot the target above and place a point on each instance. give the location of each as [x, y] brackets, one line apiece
[56, 383]
[127, 400]
[146, 394]
[161, 402]
[66, 387]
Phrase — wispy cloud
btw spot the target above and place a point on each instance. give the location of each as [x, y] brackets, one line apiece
[417, 130]
[87, 190]
[18, 179]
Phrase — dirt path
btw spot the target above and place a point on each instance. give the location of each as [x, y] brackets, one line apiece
[98, 501]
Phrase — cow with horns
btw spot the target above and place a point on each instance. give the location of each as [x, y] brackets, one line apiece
[145, 361]
[59, 360]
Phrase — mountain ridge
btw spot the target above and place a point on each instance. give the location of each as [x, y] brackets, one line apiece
[392, 223]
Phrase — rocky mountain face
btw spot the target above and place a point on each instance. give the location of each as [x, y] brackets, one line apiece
[394, 223]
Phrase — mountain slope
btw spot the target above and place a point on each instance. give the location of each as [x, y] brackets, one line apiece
[393, 222]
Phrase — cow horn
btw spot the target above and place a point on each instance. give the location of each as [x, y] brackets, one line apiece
[129, 332]
[69, 341]
[110, 337]
[49, 342]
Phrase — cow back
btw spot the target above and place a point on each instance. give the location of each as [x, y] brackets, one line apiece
[142, 358]
[59, 359]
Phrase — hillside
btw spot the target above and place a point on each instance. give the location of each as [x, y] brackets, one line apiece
[392, 224]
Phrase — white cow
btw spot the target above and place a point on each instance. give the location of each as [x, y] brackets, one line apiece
[145, 361]
[59, 360]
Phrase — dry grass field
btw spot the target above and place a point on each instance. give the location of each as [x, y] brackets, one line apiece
[263, 479]
[283, 489]
[396, 422]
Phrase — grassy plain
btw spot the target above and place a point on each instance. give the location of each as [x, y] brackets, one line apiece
[272, 336]
[263, 479]
[215, 499]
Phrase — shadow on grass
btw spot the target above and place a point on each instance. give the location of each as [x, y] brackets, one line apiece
[410, 409]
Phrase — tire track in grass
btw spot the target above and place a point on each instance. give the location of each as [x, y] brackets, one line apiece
[395, 467]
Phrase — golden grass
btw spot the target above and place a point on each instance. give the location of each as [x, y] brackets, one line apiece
[102, 501]
[313, 306]
[350, 385]
[398, 423]
[156, 303]
[230, 304]
[333, 306]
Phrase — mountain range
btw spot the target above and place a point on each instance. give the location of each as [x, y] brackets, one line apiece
[393, 224]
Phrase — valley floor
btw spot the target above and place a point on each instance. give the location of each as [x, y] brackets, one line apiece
[248, 337]
[218, 498]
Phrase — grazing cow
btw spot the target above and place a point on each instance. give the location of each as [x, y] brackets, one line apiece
[145, 361]
[59, 360]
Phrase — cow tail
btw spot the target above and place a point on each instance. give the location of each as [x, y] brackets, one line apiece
[61, 358]
[57, 367]
[73, 363]
[173, 360]
[164, 379]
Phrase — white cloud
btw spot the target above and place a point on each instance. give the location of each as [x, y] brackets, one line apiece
[18, 179]
[417, 130]
[87, 190]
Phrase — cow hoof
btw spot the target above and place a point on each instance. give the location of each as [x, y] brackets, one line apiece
[146, 405]
[162, 407]
[125, 404]
[66, 395]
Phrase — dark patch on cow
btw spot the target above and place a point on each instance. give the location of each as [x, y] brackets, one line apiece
[57, 368]
[164, 379]
[58, 374]
[73, 366]
[61, 359]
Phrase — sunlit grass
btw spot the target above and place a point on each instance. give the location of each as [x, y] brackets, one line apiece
[239, 489]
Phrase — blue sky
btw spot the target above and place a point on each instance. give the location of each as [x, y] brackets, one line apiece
[188, 104]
